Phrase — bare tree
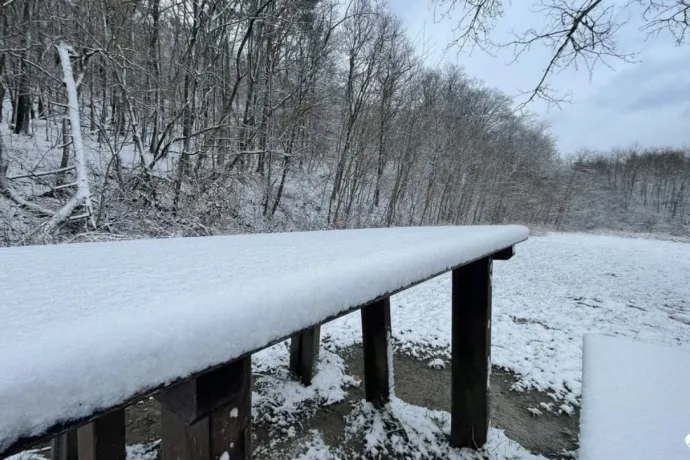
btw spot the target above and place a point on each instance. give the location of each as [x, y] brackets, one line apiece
[578, 32]
[204, 116]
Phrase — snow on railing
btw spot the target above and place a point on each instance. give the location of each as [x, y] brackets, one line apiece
[105, 325]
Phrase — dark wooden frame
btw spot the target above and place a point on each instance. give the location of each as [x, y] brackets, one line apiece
[304, 351]
[64, 446]
[376, 337]
[209, 413]
[471, 353]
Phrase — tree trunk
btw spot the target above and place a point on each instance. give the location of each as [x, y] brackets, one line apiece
[23, 106]
[82, 196]
[4, 165]
[155, 66]
[2, 86]
[189, 99]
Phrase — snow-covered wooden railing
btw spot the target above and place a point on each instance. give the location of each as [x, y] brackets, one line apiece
[88, 329]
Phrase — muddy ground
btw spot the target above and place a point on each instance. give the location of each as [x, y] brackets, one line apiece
[548, 434]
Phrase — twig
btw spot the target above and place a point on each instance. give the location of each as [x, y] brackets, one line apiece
[42, 173]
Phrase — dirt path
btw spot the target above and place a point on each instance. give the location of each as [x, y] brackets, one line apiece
[548, 434]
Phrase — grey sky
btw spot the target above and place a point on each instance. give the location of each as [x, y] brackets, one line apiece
[647, 102]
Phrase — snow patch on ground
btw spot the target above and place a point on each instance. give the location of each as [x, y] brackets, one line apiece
[534, 411]
[147, 451]
[34, 454]
[280, 399]
[437, 363]
[403, 430]
[316, 449]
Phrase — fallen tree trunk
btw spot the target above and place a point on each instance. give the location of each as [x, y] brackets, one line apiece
[83, 194]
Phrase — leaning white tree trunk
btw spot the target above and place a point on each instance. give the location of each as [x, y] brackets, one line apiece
[83, 193]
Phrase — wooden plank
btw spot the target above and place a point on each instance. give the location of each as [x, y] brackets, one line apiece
[376, 331]
[226, 428]
[103, 438]
[181, 441]
[471, 353]
[64, 446]
[304, 351]
[505, 254]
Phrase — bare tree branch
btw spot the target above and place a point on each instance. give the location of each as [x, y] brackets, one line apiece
[577, 32]
[667, 15]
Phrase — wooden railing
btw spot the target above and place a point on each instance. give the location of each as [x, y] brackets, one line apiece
[208, 414]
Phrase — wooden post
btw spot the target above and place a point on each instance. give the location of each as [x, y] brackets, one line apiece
[376, 331]
[64, 446]
[206, 417]
[104, 438]
[304, 351]
[471, 354]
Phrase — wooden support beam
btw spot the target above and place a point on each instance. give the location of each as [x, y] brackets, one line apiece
[376, 336]
[64, 446]
[471, 354]
[209, 416]
[505, 254]
[199, 397]
[103, 438]
[304, 351]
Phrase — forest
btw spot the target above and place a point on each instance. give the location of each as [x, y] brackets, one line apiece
[155, 118]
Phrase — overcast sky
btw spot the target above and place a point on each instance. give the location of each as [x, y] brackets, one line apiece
[647, 102]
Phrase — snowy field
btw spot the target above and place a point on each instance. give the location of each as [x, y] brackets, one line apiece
[554, 290]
